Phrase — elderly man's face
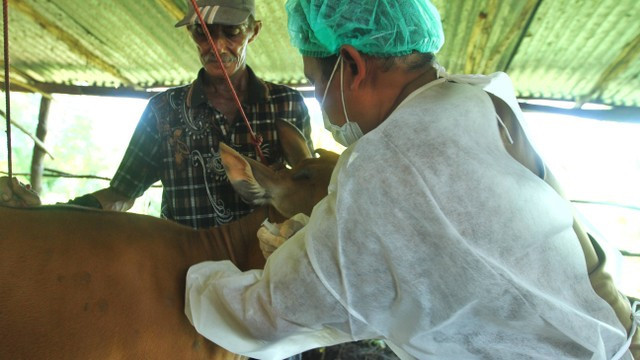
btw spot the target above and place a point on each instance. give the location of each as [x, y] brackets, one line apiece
[231, 42]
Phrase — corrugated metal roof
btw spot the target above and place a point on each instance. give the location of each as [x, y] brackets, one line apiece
[581, 50]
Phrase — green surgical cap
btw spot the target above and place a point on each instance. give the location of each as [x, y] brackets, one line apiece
[375, 27]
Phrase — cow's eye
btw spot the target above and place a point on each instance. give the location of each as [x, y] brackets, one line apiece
[302, 174]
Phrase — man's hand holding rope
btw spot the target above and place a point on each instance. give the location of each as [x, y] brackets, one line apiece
[16, 194]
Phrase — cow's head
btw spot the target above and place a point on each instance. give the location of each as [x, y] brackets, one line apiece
[290, 191]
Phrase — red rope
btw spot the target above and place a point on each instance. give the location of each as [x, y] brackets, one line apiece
[5, 19]
[257, 140]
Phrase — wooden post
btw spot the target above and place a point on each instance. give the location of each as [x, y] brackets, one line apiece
[37, 161]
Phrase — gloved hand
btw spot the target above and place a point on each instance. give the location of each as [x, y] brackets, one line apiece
[270, 242]
[16, 194]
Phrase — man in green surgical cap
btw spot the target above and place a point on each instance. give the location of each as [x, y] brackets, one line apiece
[433, 237]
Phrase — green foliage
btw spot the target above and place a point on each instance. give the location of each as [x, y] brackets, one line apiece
[24, 111]
[86, 135]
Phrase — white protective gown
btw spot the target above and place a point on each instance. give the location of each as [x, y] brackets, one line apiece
[433, 238]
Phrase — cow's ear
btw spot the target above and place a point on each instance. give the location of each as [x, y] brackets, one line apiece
[249, 184]
[294, 146]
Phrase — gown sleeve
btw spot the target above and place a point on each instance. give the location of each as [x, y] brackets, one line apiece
[274, 313]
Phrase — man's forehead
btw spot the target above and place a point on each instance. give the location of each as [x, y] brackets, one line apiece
[244, 24]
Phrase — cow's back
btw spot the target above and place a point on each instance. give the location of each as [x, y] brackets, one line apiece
[97, 285]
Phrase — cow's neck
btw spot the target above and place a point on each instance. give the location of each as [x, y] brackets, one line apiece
[236, 241]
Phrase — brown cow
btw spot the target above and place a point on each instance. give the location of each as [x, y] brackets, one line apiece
[83, 284]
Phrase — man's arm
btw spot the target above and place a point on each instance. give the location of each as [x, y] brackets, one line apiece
[110, 199]
[105, 199]
[140, 165]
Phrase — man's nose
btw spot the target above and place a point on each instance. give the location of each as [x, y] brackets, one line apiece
[218, 38]
[202, 42]
[205, 46]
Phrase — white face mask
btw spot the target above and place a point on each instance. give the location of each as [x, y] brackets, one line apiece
[350, 132]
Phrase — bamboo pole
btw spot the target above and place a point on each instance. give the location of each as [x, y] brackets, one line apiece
[37, 160]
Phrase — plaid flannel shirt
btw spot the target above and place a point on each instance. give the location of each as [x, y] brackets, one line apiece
[176, 142]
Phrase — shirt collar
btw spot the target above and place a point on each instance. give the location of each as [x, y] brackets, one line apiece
[258, 91]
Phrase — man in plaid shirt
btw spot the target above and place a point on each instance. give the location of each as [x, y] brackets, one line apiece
[176, 140]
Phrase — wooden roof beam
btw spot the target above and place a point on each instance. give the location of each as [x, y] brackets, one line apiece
[481, 32]
[25, 83]
[525, 17]
[616, 113]
[21, 86]
[629, 54]
[479, 38]
[49, 88]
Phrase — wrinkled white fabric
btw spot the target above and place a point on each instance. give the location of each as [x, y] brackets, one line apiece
[433, 238]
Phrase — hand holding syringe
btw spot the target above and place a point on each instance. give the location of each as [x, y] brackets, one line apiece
[271, 235]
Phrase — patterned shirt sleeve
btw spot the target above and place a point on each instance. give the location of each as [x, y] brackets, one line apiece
[140, 165]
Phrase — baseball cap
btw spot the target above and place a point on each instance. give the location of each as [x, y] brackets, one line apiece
[224, 12]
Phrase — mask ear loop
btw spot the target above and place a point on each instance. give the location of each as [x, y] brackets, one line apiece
[333, 72]
[344, 105]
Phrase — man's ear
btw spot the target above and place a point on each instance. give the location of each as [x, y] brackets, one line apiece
[257, 26]
[356, 64]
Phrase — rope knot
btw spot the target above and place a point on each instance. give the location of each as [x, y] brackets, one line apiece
[258, 140]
